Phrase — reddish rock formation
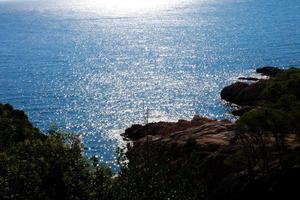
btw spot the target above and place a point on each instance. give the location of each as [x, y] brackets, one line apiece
[198, 128]
[176, 137]
[164, 128]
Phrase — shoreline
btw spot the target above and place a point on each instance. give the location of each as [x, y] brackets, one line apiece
[218, 149]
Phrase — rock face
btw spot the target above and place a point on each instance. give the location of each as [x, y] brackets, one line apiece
[165, 128]
[242, 93]
[175, 137]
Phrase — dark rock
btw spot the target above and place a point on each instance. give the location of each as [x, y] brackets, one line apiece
[242, 93]
[241, 111]
[134, 132]
[230, 93]
[248, 79]
[269, 71]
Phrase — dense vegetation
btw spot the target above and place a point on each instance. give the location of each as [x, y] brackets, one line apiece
[278, 110]
[276, 116]
[36, 166]
[50, 166]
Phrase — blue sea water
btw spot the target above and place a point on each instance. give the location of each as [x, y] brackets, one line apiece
[93, 67]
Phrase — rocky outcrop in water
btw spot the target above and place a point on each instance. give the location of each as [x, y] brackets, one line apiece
[248, 94]
[242, 93]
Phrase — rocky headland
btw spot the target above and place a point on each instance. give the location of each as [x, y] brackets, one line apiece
[257, 156]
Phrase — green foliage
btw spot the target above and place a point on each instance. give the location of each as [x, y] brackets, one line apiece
[277, 114]
[265, 119]
[279, 107]
[154, 172]
[15, 127]
[287, 83]
[36, 166]
[101, 184]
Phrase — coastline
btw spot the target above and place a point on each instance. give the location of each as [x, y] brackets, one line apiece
[228, 158]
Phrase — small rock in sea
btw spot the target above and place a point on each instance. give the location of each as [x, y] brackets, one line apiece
[248, 79]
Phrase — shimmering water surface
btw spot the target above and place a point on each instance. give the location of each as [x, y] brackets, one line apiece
[93, 67]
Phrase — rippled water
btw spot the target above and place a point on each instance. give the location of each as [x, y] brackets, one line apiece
[93, 67]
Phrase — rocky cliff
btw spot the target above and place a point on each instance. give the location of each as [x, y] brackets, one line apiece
[232, 160]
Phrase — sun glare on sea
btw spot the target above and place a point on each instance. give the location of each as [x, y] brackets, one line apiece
[130, 6]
